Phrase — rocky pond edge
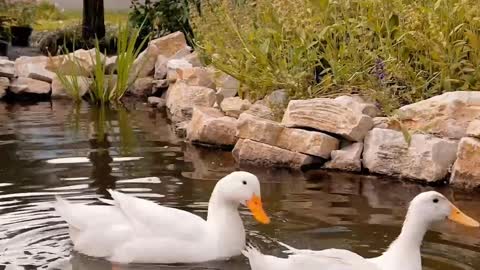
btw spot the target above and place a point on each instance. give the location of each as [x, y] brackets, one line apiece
[431, 141]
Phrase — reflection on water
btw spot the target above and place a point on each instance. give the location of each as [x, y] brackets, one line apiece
[55, 148]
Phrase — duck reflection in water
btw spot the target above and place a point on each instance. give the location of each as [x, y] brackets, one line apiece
[101, 160]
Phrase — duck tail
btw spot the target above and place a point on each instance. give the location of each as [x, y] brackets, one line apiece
[290, 250]
[255, 257]
[64, 209]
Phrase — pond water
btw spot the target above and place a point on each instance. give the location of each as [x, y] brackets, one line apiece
[313, 210]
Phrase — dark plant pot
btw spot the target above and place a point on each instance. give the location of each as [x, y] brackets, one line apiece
[21, 35]
[3, 48]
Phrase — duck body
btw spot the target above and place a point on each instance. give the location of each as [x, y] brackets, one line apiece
[134, 230]
[403, 254]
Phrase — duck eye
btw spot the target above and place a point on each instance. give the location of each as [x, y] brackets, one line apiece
[244, 182]
[435, 200]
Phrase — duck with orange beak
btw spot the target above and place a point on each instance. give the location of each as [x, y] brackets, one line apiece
[404, 253]
[134, 230]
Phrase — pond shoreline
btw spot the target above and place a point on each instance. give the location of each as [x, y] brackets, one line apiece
[433, 141]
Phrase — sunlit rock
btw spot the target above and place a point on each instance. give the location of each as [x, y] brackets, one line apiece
[328, 115]
[234, 106]
[272, 133]
[142, 87]
[181, 99]
[211, 127]
[196, 76]
[359, 105]
[347, 158]
[29, 86]
[261, 110]
[248, 152]
[227, 86]
[7, 68]
[426, 158]
[466, 171]
[79, 63]
[194, 59]
[59, 91]
[473, 129]
[447, 115]
[173, 65]
[169, 46]
[4, 83]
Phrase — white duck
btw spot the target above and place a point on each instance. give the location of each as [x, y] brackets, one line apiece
[134, 230]
[403, 254]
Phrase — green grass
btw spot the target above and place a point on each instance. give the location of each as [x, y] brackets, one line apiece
[72, 18]
[397, 51]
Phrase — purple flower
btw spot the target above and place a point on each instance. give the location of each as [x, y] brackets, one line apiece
[380, 70]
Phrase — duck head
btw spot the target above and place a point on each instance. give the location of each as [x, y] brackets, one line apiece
[433, 207]
[243, 188]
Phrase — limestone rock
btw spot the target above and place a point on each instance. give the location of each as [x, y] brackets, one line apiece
[248, 152]
[181, 98]
[258, 129]
[144, 65]
[381, 122]
[226, 85]
[59, 91]
[447, 115]
[426, 158]
[79, 63]
[296, 140]
[7, 68]
[347, 158]
[4, 83]
[161, 68]
[142, 87]
[234, 106]
[39, 72]
[29, 86]
[171, 44]
[196, 76]
[465, 170]
[261, 111]
[21, 64]
[173, 65]
[210, 126]
[111, 64]
[193, 59]
[359, 105]
[473, 129]
[154, 101]
[328, 115]
[278, 98]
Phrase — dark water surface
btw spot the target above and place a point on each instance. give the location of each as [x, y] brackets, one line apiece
[316, 210]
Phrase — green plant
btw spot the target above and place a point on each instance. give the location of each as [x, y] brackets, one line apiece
[23, 13]
[397, 52]
[105, 87]
[47, 10]
[127, 52]
[162, 17]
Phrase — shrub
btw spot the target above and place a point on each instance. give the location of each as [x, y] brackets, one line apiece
[162, 17]
[47, 10]
[69, 38]
[397, 51]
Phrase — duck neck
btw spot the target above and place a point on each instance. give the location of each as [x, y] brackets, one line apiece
[225, 225]
[406, 248]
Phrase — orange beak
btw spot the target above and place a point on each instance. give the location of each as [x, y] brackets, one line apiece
[459, 217]
[255, 206]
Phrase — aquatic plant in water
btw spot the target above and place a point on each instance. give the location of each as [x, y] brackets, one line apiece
[110, 87]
